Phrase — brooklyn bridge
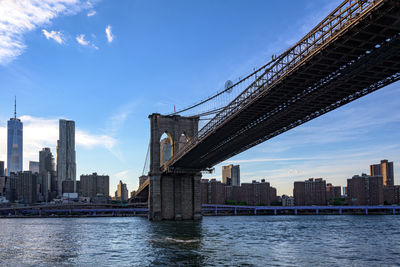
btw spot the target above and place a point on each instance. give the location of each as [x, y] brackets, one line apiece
[354, 51]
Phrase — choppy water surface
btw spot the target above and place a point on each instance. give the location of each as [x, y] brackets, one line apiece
[231, 241]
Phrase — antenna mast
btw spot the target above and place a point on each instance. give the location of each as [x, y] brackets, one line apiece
[15, 107]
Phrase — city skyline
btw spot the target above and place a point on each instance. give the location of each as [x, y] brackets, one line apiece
[113, 140]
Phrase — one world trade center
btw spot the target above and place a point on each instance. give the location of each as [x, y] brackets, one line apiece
[14, 143]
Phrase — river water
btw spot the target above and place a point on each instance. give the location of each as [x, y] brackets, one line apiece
[314, 240]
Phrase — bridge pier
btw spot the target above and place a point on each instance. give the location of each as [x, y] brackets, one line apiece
[175, 197]
[174, 194]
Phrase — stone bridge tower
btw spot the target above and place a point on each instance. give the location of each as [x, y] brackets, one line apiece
[172, 195]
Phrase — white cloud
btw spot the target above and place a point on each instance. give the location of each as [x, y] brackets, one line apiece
[110, 36]
[19, 17]
[43, 132]
[56, 36]
[91, 13]
[81, 40]
[88, 140]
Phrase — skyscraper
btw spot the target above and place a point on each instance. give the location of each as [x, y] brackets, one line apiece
[14, 143]
[385, 169]
[232, 172]
[66, 166]
[46, 160]
[47, 174]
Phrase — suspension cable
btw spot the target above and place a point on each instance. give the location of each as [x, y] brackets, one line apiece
[228, 88]
[146, 160]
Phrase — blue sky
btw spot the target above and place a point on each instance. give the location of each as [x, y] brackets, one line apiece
[60, 61]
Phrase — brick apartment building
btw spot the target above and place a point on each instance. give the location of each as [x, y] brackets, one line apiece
[365, 190]
[255, 193]
[310, 192]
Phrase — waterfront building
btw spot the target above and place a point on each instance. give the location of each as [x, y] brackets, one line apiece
[365, 190]
[68, 186]
[122, 192]
[11, 187]
[273, 197]
[333, 192]
[2, 185]
[66, 165]
[2, 168]
[212, 191]
[27, 187]
[310, 192]
[216, 192]
[92, 185]
[233, 193]
[391, 194]
[384, 169]
[255, 193]
[232, 172]
[34, 166]
[287, 201]
[14, 144]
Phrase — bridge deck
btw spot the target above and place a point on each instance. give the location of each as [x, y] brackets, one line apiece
[359, 57]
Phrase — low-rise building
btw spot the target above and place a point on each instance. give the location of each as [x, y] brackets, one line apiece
[287, 201]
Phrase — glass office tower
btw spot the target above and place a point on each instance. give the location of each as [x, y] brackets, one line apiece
[14, 144]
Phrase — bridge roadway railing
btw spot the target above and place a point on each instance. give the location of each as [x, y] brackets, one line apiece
[69, 209]
[254, 209]
[342, 18]
[206, 208]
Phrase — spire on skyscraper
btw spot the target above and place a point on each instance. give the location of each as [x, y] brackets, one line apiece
[15, 107]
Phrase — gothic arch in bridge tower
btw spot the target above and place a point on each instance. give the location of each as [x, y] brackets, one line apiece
[174, 127]
[166, 147]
